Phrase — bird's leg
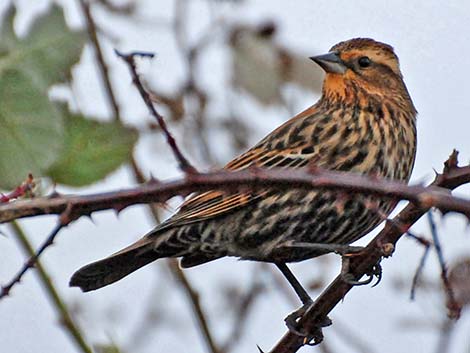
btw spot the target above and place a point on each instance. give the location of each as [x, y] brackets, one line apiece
[291, 319]
[299, 290]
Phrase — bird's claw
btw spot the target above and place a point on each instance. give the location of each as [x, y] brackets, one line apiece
[347, 276]
[376, 272]
[313, 337]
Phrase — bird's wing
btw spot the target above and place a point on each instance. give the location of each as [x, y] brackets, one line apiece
[218, 202]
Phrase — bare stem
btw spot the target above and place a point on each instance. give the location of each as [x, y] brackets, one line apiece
[30, 263]
[194, 300]
[453, 307]
[61, 307]
[130, 61]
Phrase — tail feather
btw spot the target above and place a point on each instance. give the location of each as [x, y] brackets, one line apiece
[111, 269]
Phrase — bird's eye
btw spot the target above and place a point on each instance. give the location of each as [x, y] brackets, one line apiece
[364, 61]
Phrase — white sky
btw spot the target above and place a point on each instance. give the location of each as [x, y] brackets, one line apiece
[432, 41]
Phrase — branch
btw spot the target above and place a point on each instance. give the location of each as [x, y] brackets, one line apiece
[195, 302]
[60, 305]
[360, 265]
[453, 307]
[130, 60]
[254, 178]
[31, 262]
[103, 67]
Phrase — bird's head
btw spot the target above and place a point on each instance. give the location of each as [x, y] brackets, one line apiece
[361, 65]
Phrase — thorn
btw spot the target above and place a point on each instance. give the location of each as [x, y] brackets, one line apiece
[118, 208]
[90, 217]
[54, 194]
[452, 162]
[153, 181]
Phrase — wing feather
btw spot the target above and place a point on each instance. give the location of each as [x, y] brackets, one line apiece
[217, 202]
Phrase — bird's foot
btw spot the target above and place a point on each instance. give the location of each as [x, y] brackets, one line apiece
[313, 337]
[292, 319]
[348, 277]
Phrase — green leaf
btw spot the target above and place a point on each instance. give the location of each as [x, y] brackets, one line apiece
[31, 127]
[93, 150]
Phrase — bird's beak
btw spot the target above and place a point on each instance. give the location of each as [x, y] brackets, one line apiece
[330, 62]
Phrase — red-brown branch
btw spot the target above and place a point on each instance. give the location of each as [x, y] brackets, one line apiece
[154, 191]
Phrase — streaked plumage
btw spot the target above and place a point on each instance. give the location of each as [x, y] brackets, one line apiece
[363, 123]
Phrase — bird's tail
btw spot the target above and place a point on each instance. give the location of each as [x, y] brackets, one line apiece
[111, 269]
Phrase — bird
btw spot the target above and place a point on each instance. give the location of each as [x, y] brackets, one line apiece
[363, 123]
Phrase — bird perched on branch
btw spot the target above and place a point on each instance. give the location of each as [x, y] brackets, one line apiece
[364, 122]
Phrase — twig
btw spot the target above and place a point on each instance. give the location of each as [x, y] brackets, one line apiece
[111, 96]
[196, 305]
[361, 265]
[191, 89]
[447, 328]
[405, 229]
[244, 306]
[139, 176]
[251, 178]
[31, 262]
[59, 304]
[25, 188]
[453, 307]
[130, 60]
[419, 270]
[103, 67]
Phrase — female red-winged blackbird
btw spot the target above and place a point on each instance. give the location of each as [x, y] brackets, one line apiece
[363, 123]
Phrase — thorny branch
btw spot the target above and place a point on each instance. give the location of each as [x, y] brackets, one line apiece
[155, 191]
[360, 265]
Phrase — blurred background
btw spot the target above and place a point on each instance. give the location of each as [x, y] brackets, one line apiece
[226, 73]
